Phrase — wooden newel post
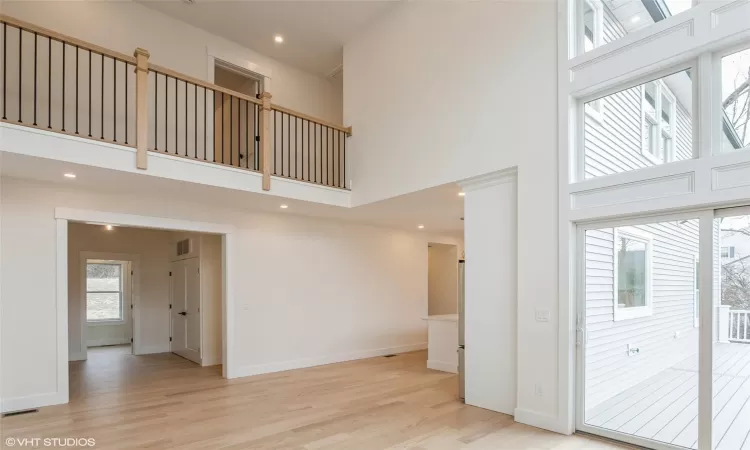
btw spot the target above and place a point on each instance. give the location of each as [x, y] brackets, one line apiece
[265, 140]
[141, 108]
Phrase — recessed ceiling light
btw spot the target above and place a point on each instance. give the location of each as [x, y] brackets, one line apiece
[284, 206]
[461, 194]
[635, 19]
[108, 227]
[69, 175]
[420, 226]
[279, 39]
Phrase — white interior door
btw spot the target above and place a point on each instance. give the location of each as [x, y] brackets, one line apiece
[186, 309]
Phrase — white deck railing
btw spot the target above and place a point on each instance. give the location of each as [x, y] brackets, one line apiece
[739, 325]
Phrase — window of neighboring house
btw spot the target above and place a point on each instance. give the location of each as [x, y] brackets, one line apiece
[658, 116]
[727, 252]
[104, 292]
[593, 19]
[632, 284]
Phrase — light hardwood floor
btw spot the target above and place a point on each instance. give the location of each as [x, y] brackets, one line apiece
[163, 401]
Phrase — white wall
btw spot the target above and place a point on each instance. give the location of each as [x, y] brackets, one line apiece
[211, 294]
[467, 89]
[442, 91]
[152, 248]
[442, 279]
[123, 26]
[357, 290]
[490, 308]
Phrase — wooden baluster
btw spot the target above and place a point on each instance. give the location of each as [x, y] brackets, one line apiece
[141, 108]
[266, 140]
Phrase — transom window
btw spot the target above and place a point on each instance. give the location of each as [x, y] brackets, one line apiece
[632, 250]
[646, 125]
[618, 18]
[104, 291]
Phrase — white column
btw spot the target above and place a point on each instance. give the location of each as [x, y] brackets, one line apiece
[490, 234]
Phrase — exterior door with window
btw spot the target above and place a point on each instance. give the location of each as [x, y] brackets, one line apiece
[185, 301]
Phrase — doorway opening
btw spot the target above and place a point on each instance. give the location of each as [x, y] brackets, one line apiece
[442, 279]
[142, 300]
[235, 121]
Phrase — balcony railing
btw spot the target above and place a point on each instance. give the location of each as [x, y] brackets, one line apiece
[62, 84]
[739, 325]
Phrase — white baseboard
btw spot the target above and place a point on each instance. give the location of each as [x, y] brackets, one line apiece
[211, 362]
[32, 401]
[76, 356]
[280, 366]
[544, 421]
[107, 341]
[151, 349]
[442, 366]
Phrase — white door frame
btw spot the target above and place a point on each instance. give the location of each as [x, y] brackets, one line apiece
[705, 218]
[135, 261]
[64, 215]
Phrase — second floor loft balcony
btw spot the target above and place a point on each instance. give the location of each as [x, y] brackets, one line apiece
[64, 85]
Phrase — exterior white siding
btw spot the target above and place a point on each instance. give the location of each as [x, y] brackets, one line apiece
[663, 338]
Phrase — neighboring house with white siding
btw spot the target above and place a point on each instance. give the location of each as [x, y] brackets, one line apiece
[640, 281]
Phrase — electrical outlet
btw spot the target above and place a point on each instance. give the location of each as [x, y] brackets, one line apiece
[538, 391]
[542, 315]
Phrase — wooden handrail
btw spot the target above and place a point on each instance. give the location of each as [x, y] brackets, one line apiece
[67, 39]
[291, 112]
[201, 83]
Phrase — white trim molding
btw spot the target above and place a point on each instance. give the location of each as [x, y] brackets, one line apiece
[490, 179]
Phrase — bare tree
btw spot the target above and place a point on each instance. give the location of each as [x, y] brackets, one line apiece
[737, 104]
[735, 275]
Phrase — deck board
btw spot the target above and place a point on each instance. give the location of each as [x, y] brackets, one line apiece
[665, 406]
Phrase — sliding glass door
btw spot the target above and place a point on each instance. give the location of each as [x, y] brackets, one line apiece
[638, 333]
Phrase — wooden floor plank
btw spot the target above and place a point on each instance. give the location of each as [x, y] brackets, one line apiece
[166, 402]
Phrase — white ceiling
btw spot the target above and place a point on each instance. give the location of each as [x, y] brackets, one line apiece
[439, 209]
[314, 31]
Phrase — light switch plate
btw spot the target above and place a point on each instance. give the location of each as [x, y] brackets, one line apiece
[542, 315]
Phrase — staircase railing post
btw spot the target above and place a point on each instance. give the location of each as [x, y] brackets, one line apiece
[141, 108]
[266, 140]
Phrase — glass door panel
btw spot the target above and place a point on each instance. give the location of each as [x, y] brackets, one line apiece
[638, 345]
[731, 340]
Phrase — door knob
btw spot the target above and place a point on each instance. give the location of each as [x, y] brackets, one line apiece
[183, 313]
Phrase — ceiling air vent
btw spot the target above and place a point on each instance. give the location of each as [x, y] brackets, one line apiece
[183, 247]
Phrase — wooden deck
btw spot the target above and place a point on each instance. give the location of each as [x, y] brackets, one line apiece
[665, 407]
